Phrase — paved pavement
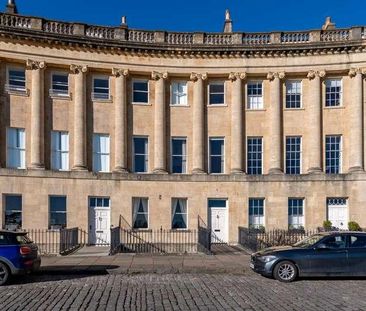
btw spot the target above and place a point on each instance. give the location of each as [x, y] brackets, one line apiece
[180, 292]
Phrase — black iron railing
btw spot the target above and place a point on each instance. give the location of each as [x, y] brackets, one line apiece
[204, 237]
[255, 240]
[69, 240]
[115, 240]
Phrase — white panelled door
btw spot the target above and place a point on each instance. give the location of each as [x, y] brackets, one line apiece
[338, 213]
[99, 224]
[218, 220]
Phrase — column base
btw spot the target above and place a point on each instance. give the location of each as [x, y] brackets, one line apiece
[275, 171]
[36, 166]
[121, 170]
[237, 171]
[198, 171]
[159, 171]
[79, 168]
[355, 169]
[315, 170]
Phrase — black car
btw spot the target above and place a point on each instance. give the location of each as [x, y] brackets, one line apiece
[18, 255]
[323, 254]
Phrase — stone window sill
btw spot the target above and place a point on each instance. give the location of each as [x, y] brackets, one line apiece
[254, 110]
[24, 93]
[60, 96]
[183, 106]
[102, 100]
[333, 107]
[294, 109]
[216, 105]
[141, 104]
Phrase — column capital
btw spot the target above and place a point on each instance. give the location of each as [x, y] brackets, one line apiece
[159, 75]
[76, 69]
[196, 76]
[276, 75]
[237, 76]
[34, 65]
[118, 72]
[355, 71]
[316, 73]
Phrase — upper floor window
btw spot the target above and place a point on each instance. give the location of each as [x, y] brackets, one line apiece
[179, 213]
[60, 150]
[254, 155]
[179, 155]
[296, 213]
[140, 154]
[60, 84]
[100, 153]
[216, 92]
[333, 154]
[16, 79]
[256, 213]
[179, 93]
[217, 155]
[57, 212]
[255, 95]
[333, 92]
[140, 92]
[140, 213]
[15, 148]
[100, 88]
[13, 212]
[293, 155]
[293, 94]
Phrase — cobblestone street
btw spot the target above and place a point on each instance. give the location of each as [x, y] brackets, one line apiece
[180, 292]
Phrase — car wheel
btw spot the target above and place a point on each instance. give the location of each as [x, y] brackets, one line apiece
[4, 273]
[285, 271]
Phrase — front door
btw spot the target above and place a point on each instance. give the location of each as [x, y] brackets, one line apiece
[337, 212]
[99, 221]
[218, 220]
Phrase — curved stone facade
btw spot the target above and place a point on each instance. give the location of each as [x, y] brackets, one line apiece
[234, 88]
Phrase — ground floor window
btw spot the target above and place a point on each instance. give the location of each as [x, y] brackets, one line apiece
[13, 212]
[179, 213]
[256, 213]
[140, 213]
[57, 212]
[295, 213]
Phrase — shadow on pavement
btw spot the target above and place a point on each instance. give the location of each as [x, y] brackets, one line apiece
[60, 273]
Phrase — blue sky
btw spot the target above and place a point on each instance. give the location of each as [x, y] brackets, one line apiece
[201, 15]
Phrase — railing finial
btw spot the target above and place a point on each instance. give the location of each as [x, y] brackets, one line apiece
[124, 21]
[11, 7]
[228, 26]
[328, 24]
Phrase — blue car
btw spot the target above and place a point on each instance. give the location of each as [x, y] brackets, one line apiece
[18, 255]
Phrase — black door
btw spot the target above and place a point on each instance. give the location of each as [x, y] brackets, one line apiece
[357, 254]
[329, 257]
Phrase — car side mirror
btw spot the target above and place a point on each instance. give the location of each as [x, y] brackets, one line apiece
[321, 246]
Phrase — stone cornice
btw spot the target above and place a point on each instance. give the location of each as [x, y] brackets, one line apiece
[34, 65]
[76, 69]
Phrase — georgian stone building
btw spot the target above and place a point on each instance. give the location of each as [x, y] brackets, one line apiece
[240, 129]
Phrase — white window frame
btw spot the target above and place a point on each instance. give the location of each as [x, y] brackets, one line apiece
[100, 154]
[247, 152]
[183, 156]
[285, 155]
[172, 95]
[148, 212]
[247, 94]
[299, 218]
[340, 95]
[55, 93]
[133, 154]
[60, 151]
[252, 225]
[218, 82]
[172, 216]
[340, 153]
[62, 212]
[94, 94]
[148, 91]
[301, 93]
[15, 90]
[223, 155]
[19, 149]
[5, 196]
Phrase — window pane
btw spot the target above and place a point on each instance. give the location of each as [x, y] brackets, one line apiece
[57, 212]
[333, 154]
[60, 83]
[254, 155]
[216, 155]
[13, 212]
[17, 78]
[140, 213]
[179, 214]
[293, 155]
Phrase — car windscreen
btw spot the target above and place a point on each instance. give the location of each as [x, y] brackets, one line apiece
[22, 239]
[309, 241]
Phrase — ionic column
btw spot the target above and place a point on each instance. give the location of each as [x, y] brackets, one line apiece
[237, 122]
[275, 122]
[356, 116]
[198, 123]
[314, 121]
[79, 117]
[37, 124]
[120, 120]
[159, 123]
